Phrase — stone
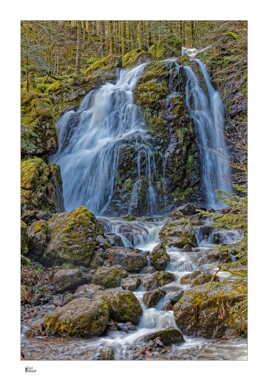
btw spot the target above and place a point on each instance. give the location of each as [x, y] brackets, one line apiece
[130, 283]
[158, 279]
[88, 290]
[159, 257]
[38, 239]
[151, 298]
[211, 309]
[72, 238]
[129, 259]
[24, 238]
[124, 307]
[81, 317]
[109, 277]
[69, 279]
[41, 186]
[167, 336]
[178, 234]
[187, 278]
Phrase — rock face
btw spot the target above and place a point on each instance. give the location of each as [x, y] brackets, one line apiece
[159, 257]
[129, 259]
[151, 298]
[41, 186]
[68, 279]
[81, 317]
[109, 277]
[168, 336]
[72, 238]
[207, 310]
[158, 279]
[125, 307]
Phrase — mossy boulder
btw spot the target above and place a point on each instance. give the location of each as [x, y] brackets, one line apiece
[167, 336]
[151, 298]
[38, 239]
[124, 307]
[41, 186]
[24, 238]
[158, 279]
[129, 259]
[178, 233]
[109, 277]
[159, 257]
[81, 317]
[72, 238]
[214, 309]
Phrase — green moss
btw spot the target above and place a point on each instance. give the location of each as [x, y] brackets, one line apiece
[150, 92]
[131, 57]
[128, 185]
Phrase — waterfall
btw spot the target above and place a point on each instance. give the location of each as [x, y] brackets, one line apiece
[207, 111]
[90, 141]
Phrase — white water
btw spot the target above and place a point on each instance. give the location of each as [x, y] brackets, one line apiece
[107, 121]
[207, 111]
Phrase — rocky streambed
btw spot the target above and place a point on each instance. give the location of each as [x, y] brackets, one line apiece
[152, 289]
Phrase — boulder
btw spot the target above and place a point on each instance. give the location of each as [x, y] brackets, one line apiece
[109, 277]
[129, 259]
[130, 283]
[151, 298]
[38, 239]
[41, 186]
[69, 279]
[168, 336]
[213, 309]
[124, 307]
[178, 233]
[72, 238]
[159, 257]
[81, 317]
[114, 239]
[158, 279]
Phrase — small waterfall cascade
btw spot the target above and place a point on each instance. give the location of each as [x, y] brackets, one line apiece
[207, 111]
[90, 141]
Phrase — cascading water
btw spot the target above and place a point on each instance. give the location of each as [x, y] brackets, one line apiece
[89, 149]
[207, 112]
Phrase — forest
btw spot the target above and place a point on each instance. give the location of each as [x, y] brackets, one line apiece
[133, 190]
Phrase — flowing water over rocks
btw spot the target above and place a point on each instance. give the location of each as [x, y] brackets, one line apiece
[90, 140]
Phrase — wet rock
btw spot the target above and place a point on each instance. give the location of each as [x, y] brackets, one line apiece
[209, 310]
[167, 336]
[41, 186]
[126, 327]
[72, 238]
[129, 259]
[109, 276]
[159, 257]
[113, 239]
[81, 317]
[130, 283]
[178, 233]
[158, 279]
[151, 298]
[124, 307]
[69, 279]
